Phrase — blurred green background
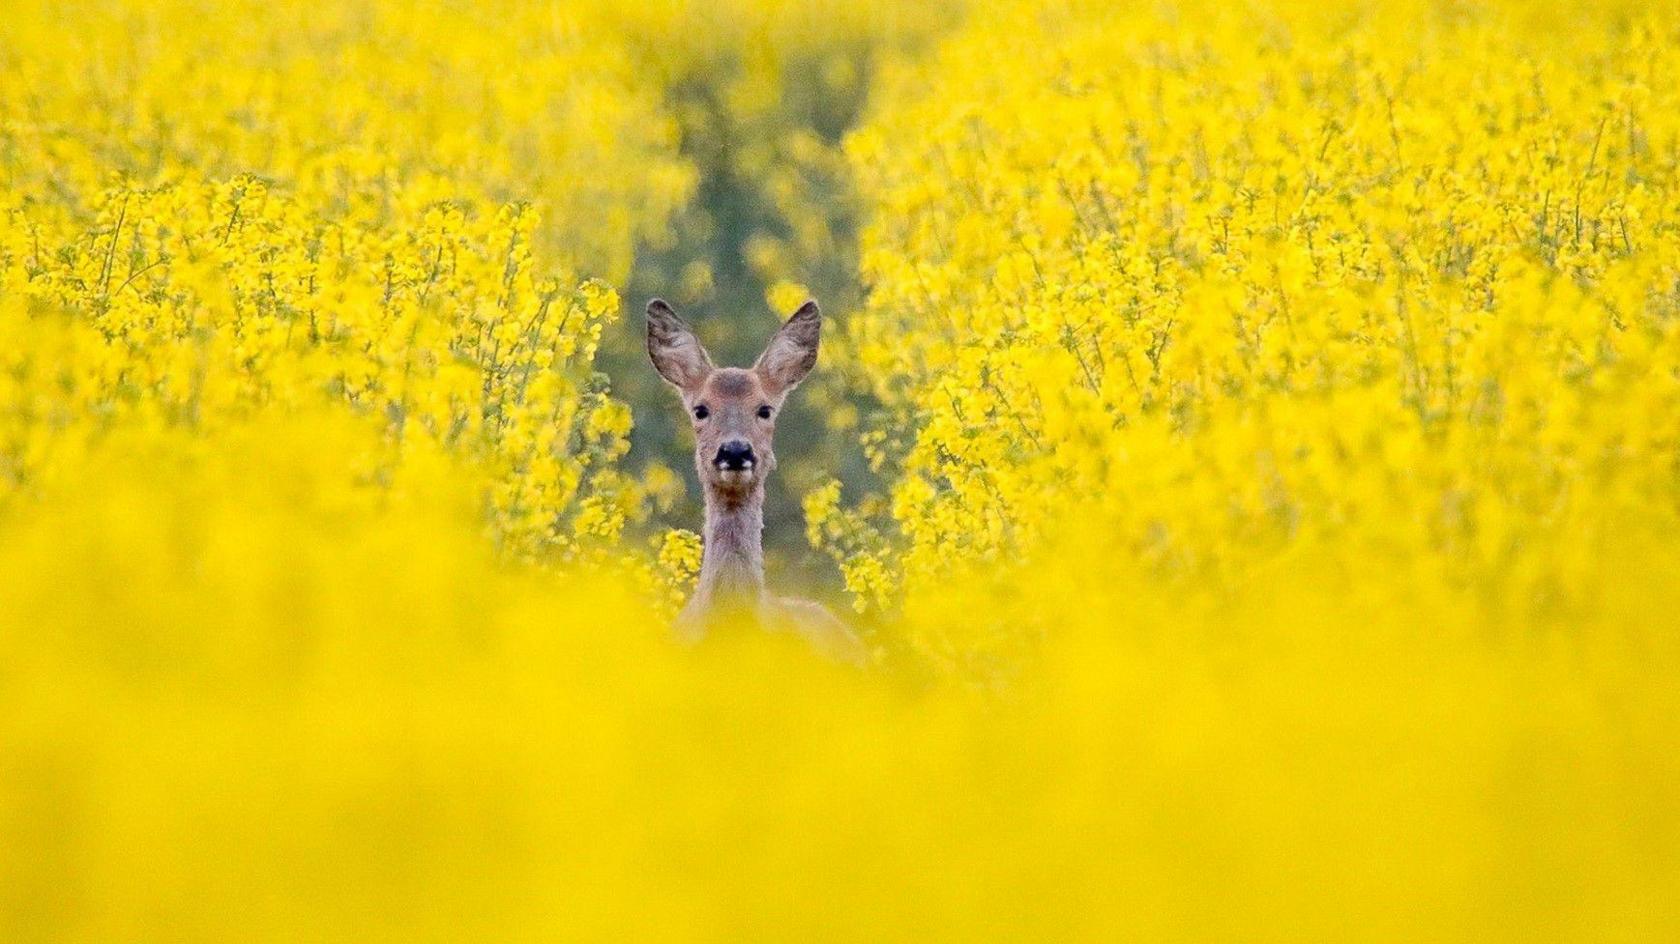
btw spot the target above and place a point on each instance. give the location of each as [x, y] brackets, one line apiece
[773, 210]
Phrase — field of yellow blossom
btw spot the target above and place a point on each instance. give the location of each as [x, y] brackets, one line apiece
[1247, 437]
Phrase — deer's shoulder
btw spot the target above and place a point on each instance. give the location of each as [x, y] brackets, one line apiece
[816, 623]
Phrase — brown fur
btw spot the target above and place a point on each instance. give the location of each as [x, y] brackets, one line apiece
[731, 398]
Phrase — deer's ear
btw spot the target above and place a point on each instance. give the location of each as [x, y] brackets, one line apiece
[676, 353]
[792, 352]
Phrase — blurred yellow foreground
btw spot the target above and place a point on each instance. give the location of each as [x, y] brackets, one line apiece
[230, 713]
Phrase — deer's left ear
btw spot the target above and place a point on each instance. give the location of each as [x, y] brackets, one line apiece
[792, 352]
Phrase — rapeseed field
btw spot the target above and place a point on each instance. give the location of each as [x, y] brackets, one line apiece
[1246, 438]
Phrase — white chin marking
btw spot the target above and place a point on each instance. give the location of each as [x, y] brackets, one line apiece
[734, 476]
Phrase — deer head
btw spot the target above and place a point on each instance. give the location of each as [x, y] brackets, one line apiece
[733, 409]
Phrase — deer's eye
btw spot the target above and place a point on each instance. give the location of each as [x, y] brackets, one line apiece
[700, 412]
[764, 412]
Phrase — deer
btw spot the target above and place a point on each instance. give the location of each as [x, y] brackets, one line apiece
[733, 411]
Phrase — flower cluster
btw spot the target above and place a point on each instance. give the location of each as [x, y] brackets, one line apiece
[207, 237]
[1273, 288]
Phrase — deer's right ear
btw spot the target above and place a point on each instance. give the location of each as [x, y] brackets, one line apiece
[675, 351]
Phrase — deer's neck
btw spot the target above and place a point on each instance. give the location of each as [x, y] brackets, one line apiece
[732, 564]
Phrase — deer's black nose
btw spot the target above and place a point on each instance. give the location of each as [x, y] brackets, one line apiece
[734, 456]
